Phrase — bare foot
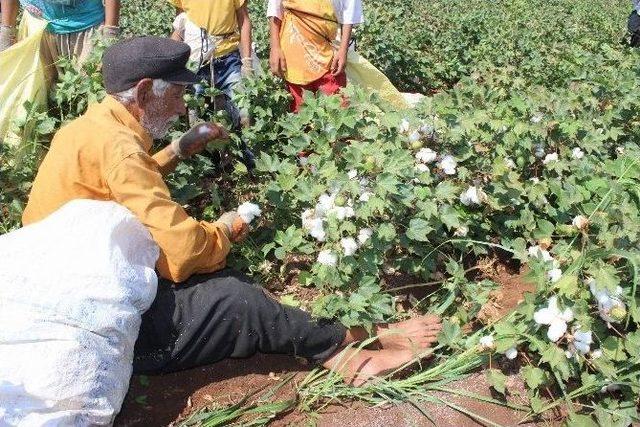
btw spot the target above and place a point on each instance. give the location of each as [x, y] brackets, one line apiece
[357, 366]
[416, 333]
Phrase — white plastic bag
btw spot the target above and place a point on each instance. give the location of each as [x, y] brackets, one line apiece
[73, 288]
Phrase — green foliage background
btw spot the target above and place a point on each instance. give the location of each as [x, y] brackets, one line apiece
[510, 82]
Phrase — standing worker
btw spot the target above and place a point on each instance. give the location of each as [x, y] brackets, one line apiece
[634, 24]
[219, 35]
[71, 29]
[302, 43]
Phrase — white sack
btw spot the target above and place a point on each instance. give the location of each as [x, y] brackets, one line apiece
[73, 288]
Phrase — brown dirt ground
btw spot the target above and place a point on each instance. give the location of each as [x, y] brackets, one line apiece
[165, 400]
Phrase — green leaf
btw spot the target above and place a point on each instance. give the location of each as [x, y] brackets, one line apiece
[419, 230]
[534, 377]
[497, 380]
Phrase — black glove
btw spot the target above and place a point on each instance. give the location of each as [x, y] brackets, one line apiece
[633, 25]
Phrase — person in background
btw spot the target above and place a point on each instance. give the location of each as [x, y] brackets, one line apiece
[73, 24]
[634, 24]
[302, 36]
[219, 35]
[203, 312]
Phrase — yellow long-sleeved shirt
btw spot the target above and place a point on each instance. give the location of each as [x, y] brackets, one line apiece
[104, 155]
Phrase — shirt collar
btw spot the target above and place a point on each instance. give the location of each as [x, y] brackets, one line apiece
[123, 115]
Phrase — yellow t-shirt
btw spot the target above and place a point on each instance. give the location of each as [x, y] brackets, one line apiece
[218, 17]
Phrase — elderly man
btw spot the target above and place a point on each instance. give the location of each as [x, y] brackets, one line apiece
[202, 312]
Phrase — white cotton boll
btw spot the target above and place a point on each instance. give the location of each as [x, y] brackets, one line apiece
[539, 151]
[249, 211]
[427, 129]
[577, 153]
[414, 136]
[303, 161]
[512, 353]
[509, 163]
[473, 196]
[426, 155]
[448, 165]
[538, 252]
[461, 231]
[422, 168]
[535, 180]
[349, 212]
[327, 257]
[364, 197]
[584, 337]
[404, 126]
[364, 235]
[582, 347]
[537, 118]
[610, 388]
[620, 150]
[580, 222]
[349, 246]
[339, 212]
[557, 329]
[596, 354]
[318, 233]
[554, 275]
[487, 342]
[552, 316]
[325, 204]
[309, 219]
[553, 157]
[352, 174]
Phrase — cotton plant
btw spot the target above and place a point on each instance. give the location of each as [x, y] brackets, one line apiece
[426, 156]
[580, 342]
[580, 222]
[473, 196]
[349, 246]
[448, 165]
[327, 258]
[550, 158]
[487, 342]
[577, 153]
[556, 319]
[611, 307]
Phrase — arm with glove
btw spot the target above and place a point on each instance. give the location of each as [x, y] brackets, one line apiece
[8, 32]
[244, 23]
[193, 142]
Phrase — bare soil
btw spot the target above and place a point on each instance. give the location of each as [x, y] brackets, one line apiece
[165, 400]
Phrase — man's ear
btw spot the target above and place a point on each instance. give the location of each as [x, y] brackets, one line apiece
[144, 92]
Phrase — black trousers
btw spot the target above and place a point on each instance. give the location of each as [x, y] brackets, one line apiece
[215, 316]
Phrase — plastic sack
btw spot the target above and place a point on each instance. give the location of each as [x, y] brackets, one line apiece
[22, 74]
[362, 73]
[73, 288]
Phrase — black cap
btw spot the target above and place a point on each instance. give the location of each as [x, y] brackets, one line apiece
[126, 63]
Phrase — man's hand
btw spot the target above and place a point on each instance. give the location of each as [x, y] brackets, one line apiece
[196, 139]
[339, 62]
[7, 37]
[238, 229]
[277, 62]
[247, 67]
